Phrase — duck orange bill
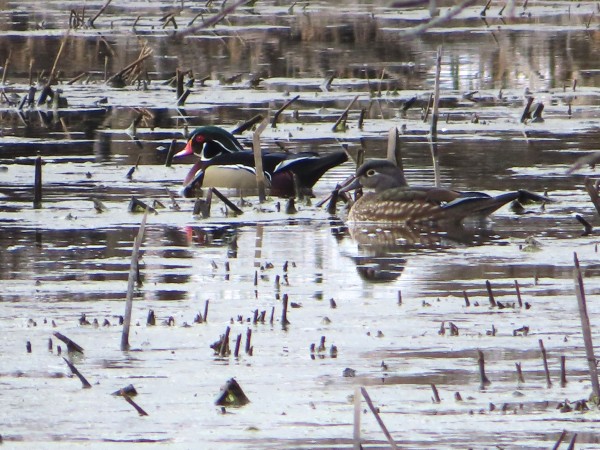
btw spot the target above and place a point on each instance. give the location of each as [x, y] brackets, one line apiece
[186, 151]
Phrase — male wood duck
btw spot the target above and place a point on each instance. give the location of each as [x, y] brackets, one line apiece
[225, 163]
[394, 201]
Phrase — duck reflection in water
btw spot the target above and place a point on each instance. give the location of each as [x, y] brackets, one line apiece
[395, 218]
[384, 249]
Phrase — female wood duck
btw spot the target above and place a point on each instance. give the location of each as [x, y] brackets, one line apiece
[394, 201]
[225, 163]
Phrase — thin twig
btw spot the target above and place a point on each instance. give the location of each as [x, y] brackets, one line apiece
[438, 20]
[585, 326]
[93, 19]
[280, 110]
[344, 114]
[133, 269]
[258, 161]
[54, 67]
[213, 20]
[387, 434]
[85, 383]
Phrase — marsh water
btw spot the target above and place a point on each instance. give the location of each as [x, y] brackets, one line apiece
[383, 297]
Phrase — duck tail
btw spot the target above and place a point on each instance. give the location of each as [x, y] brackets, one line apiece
[309, 168]
[484, 206]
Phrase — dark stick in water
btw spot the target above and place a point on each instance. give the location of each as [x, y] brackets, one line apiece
[545, 359]
[84, 382]
[37, 189]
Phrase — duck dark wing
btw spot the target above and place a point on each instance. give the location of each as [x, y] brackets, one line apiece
[481, 206]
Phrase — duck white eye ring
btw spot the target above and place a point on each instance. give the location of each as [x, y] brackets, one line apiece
[370, 172]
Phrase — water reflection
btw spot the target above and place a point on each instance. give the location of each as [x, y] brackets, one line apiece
[384, 249]
[217, 236]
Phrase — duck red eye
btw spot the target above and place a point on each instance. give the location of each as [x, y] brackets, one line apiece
[199, 139]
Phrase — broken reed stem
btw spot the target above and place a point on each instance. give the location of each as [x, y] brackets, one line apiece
[76, 78]
[518, 289]
[592, 191]
[129, 400]
[248, 124]
[435, 157]
[519, 373]
[225, 343]
[225, 200]
[427, 108]
[436, 94]
[258, 161]
[488, 286]
[394, 152]
[545, 359]
[436, 395]
[481, 361]
[31, 72]
[485, 8]
[466, 297]
[72, 346]
[344, 114]
[146, 53]
[418, 30]
[205, 311]
[280, 110]
[572, 442]
[585, 326]
[587, 227]
[357, 411]
[54, 67]
[238, 342]
[37, 184]
[84, 382]
[560, 439]
[361, 118]
[248, 340]
[378, 418]
[563, 371]
[179, 84]
[434, 120]
[93, 19]
[181, 100]
[131, 283]
[5, 71]
[212, 20]
[333, 198]
[284, 321]
[170, 153]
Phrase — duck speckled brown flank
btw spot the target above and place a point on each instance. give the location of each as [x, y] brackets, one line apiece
[394, 201]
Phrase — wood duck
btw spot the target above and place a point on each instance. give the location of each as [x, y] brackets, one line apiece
[225, 163]
[394, 201]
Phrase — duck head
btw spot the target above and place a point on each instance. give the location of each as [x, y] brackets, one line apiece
[378, 175]
[210, 141]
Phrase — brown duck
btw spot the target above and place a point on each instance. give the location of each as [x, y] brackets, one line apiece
[394, 201]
